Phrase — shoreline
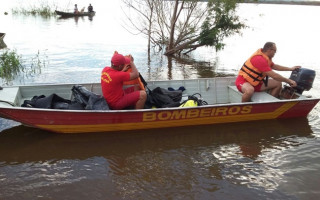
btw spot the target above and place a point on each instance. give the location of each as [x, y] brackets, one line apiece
[306, 3]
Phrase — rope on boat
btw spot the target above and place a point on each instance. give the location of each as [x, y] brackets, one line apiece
[12, 104]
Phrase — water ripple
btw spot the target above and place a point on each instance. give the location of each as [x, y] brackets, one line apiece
[27, 179]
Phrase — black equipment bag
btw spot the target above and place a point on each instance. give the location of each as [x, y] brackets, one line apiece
[163, 98]
[89, 100]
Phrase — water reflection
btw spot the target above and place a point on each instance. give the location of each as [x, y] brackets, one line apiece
[76, 18]
[251, 139]
[257, 160]
[141, 163]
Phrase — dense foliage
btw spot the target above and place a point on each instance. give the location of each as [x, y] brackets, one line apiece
[220, 22]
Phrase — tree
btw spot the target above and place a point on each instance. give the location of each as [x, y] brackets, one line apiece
[181, 26]
[221, 22]
[145, 10]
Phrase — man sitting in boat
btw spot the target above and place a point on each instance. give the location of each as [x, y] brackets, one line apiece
[253, 75]
[90, 8]
[112, 82]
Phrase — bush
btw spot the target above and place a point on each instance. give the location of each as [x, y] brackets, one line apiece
[10, 65]
[44, 10]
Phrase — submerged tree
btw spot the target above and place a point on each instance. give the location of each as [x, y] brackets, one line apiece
[144, 19]
[181, 26]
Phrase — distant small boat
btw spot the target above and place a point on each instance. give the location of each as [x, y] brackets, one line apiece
[72, 14]
[2, 44]
[2, 36]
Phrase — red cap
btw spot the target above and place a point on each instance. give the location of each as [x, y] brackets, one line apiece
[118, 59]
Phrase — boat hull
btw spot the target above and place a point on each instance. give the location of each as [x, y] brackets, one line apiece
[2, 36]
[224, 106]
[65, 121]
[68, 14]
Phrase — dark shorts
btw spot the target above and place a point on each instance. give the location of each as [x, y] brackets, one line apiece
[240, 81]
[129, 99]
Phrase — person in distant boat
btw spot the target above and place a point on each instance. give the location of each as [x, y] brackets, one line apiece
[90, 8]
[112, 81]
[76, 11]
[82, 10]
[253, 75]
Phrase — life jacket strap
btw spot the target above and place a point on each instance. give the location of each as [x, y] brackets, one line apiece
[251, 76]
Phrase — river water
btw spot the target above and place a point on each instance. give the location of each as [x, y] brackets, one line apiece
[276, 159]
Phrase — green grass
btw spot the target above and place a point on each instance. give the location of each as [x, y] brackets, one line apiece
[44, 10]
[12, 65]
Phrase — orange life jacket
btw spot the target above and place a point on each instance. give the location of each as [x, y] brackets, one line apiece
[136, 81]
[251, 73]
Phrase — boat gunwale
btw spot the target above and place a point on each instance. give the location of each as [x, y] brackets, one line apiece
[71, 14]
[20, 87]
[157, 109]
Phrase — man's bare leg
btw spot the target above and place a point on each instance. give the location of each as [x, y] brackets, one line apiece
[274, 86]
[142, 100]
[247, 92]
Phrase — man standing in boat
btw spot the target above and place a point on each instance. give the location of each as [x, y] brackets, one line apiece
[253, 75]
[112, 81]
[76, 11]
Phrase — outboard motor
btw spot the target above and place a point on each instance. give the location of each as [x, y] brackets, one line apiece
[304, 78]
